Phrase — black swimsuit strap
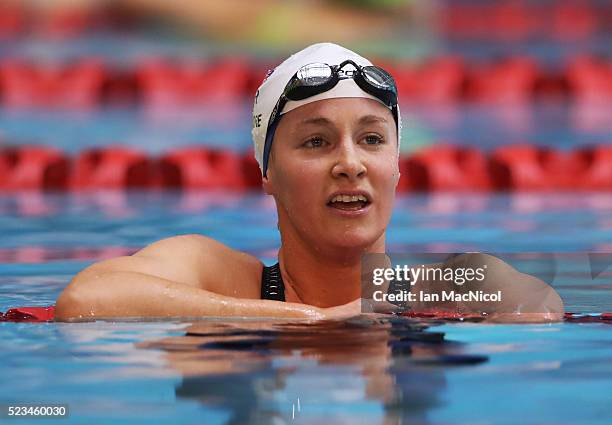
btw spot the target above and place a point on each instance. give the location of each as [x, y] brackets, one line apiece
[272, 285]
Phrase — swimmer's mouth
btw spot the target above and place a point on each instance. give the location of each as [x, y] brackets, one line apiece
[349, 201]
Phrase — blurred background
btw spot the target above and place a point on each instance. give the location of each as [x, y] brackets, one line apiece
[507, 108]
[155, 76]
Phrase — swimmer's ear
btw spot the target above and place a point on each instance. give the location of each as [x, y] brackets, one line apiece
[267, 184]
[397, 174]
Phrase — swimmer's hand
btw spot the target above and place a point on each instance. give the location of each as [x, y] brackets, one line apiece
[524, 298]
[344, 311]
[525, 317]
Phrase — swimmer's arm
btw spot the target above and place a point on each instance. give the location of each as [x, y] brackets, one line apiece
[188, 275]
[124, 294]
[525, 297]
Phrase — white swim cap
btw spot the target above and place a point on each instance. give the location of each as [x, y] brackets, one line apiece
[272, 88]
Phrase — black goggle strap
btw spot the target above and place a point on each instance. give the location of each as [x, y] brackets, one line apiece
[396, 118]
[274, 120]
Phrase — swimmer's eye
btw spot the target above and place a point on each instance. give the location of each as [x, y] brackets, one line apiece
[315, 142]
[373, 140]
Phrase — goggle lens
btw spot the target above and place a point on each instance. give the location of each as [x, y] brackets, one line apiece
[314, 74]
[378, 77]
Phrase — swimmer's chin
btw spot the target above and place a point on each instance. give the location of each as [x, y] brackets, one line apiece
[348, 251]
[353, 239]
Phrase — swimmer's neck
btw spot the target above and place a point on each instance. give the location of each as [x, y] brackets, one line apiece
[322, 279]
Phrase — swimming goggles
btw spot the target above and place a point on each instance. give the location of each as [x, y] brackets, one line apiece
[316, 78]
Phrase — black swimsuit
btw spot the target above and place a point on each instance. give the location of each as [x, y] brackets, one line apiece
[273, 287]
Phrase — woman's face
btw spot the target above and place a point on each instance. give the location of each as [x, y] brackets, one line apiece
[333, 172]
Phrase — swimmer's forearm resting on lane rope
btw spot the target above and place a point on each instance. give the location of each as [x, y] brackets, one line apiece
[521, 292]
[132, 294]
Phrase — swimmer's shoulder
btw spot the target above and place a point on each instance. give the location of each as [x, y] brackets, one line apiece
[210, 264]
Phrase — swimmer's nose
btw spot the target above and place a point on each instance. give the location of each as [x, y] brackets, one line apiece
[349, 163]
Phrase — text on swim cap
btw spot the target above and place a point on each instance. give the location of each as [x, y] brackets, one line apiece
[257, 120]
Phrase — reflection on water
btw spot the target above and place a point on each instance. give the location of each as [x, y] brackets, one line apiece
[364, 370]
[436, 222]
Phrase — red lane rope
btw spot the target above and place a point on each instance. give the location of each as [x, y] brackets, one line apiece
[472, 317]
[87, 82]
[47, 314]
[29, 314]
[441, 167]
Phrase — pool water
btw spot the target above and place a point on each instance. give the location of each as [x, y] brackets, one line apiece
[485, 126]
[364, 370]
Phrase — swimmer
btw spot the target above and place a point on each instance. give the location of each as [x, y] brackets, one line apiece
[326, 130]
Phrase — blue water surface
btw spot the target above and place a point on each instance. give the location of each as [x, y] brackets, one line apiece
[363, 370]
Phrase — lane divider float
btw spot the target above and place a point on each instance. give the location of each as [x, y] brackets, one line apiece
[89, 82]
[443, 167]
